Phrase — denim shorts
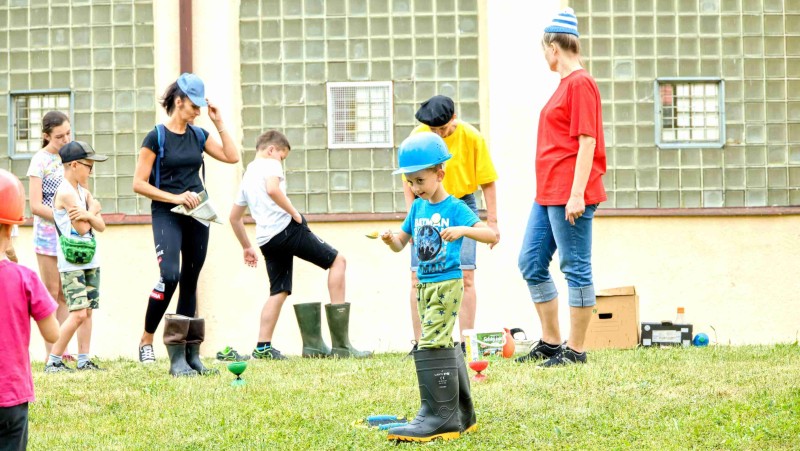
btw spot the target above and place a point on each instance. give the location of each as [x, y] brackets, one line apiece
[468, 245]
[548, 231]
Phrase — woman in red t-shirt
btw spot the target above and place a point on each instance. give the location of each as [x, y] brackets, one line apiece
[570, 163]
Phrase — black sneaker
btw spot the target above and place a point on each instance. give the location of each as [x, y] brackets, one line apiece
[89, 366]
[146, 354]
[566, 357]
[540, 351]
[269, 353]
[230, 355]
[57, 367]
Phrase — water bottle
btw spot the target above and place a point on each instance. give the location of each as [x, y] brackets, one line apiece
[679, 318]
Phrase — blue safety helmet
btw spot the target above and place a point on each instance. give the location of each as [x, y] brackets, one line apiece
[421, 150]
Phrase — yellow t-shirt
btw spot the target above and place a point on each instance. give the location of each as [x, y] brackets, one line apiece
[471, 165]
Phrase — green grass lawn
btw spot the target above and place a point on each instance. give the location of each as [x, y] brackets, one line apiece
[717, 397]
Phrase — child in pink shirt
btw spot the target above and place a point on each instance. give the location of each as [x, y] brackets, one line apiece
[22, 295]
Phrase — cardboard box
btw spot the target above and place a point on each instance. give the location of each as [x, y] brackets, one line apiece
[666, 333]
[615, 320]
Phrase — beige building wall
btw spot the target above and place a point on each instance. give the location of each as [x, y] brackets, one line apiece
[737, 274]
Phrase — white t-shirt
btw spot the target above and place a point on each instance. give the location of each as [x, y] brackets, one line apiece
[270, 218]
[65, 226]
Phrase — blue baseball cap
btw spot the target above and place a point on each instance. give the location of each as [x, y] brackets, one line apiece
[193, 87]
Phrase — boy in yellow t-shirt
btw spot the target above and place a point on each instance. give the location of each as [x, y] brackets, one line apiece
[470, 167]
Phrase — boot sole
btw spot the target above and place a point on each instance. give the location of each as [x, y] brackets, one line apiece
[443, 436]
[471, 429]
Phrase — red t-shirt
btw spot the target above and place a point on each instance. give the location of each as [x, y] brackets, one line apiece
[573, 110]
[22, 296]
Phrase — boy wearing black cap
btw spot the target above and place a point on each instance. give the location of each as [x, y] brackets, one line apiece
[470, 167]
[77, 215]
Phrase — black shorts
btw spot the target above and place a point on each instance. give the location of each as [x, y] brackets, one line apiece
[296, 240]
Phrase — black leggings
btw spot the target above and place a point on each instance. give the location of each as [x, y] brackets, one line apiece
[181, 246]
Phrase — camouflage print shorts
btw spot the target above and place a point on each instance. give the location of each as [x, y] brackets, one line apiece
[438, 304]
[81, 288]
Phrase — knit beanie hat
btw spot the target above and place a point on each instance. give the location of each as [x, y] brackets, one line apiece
[564, 22]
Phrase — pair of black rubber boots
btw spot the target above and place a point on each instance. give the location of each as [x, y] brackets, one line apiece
[309, 319]
[446, 409]
[182, 337]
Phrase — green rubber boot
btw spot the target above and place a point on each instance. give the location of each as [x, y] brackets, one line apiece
[339, 326]
[194, 338]
[309, 319]
[175, 329]
[439, 413]
[469, 422]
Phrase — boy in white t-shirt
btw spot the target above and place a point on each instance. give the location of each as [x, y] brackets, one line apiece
[76, 215]
[283, 233]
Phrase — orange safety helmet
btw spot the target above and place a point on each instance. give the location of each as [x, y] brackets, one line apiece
[12, 199]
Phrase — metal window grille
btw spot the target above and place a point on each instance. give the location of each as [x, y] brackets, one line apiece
[27, 110]
[360, 115]
[690, 112]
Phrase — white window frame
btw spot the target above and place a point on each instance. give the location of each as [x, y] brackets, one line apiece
[375, 117]
[35, 125]
[691, 111]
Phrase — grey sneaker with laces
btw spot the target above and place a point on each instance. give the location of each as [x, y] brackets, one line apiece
[146, 354]
[57, 367]
[89, 366]
[268, 353]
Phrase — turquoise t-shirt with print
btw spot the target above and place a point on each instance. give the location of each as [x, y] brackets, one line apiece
[438, 259]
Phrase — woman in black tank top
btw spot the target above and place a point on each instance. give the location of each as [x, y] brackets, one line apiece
[172, 178]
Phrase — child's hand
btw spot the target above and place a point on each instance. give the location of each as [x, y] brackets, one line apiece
[453, 233]
[387, 237]
[250, 257]
[77, 213]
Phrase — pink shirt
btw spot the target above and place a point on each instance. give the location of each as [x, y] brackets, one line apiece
[22, 295]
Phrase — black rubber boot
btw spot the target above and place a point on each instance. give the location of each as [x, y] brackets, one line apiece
[438, 416]
[194, 338]
[467, 411]
[175, 329]
[309, 319]
[339, 326]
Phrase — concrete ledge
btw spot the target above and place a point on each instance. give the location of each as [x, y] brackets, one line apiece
[123, 219]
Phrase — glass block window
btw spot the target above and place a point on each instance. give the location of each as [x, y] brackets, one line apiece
[27, 112]
[102, 52]
[292, 51]
[753, 45]
[360, 115]
[689, 113]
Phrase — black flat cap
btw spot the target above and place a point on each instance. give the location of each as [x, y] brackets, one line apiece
[436, 111]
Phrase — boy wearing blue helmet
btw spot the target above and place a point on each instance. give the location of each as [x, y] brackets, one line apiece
[438, 222]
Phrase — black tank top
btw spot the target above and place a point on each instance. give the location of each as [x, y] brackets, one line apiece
[180, 167]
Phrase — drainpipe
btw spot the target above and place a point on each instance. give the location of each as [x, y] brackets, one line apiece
[185, 21]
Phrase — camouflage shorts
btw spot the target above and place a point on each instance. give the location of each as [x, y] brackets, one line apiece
[81, 288]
